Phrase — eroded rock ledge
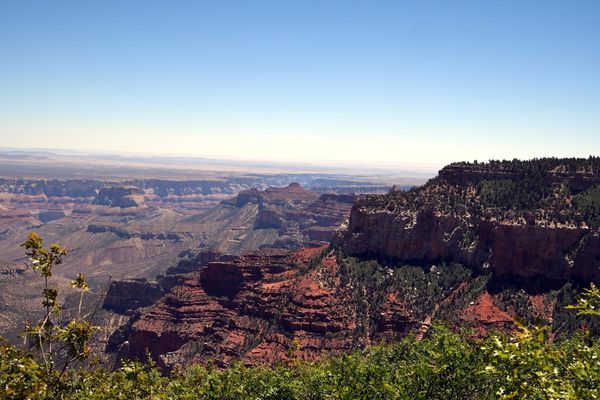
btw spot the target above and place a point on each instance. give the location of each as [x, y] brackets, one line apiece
[255, 307]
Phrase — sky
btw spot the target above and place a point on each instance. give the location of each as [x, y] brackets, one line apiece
[364, 82]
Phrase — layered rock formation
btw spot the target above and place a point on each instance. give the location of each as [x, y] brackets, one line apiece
[504, 248]
[274, 306]
[450, 220]
[51, 188]
[286, 218]
[444, 251]
[188, 196]
[122, 238]
[258, 308]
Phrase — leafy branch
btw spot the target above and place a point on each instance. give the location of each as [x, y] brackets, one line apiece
[588, 302]
[58, 342]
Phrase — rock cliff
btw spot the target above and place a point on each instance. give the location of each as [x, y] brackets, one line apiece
[504, 248]
[454, 250]
[455, 218]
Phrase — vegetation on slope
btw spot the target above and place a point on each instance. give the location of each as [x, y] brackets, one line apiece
[444, 365]
[538, 166]
[537, 190]
[588, 204]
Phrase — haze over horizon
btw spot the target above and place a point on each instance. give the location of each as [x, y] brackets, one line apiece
[347, 82]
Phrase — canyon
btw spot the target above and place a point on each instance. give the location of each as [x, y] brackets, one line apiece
[115, 230]
[443, 252]
[271, 270]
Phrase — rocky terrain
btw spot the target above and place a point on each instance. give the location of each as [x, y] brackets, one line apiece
[186, 196]
[454, 250]
[118, 231]
[254, 307]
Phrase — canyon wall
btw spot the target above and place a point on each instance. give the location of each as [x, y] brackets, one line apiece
[446, 220]
[513, 249]
[403, 261]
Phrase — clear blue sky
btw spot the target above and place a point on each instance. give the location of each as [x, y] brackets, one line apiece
[367, 82]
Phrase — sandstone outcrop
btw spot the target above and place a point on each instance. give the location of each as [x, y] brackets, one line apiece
[395, 319]
[484, 315]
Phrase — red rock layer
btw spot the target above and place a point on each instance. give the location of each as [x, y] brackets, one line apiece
[266, 307]
[506, 248]
[395, 319]
[484, 315]
[258, 308]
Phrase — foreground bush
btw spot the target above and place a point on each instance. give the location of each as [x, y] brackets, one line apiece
[442, 366]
